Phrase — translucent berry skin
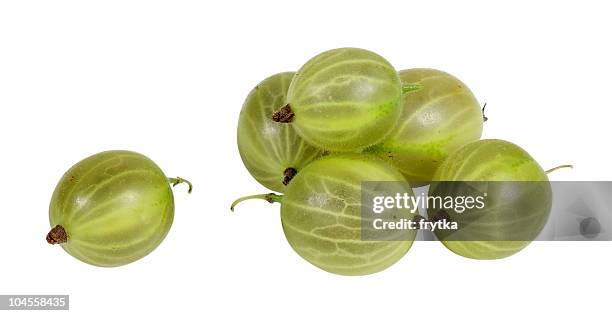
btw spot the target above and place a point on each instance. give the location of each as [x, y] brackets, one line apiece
[499, 160]
[321, 216]
[436, 120]
[345, 99]
[268, 148]
[116, 207]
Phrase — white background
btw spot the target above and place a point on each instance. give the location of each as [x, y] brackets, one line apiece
[168, 78]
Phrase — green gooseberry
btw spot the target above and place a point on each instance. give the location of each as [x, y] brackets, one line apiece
[517, 205]
[343, 100]
[112, 208]
[321, 215]
[440, 117]
[272, 152]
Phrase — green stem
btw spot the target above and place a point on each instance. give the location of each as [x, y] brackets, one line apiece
[179, 180]
[558, 167]
[411, 87]
[270, 197]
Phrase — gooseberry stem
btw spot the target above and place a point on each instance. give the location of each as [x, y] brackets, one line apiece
[557, 168]
[57, 235]
[484, 117]
[179, 180]
[411, 87]
[270, 197]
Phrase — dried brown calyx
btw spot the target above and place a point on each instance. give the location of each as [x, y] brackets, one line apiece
[288, 175]
[283, 115]
[57, 235]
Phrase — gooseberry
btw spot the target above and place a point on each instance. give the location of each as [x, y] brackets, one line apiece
[517, 204]
[112, 208]
[343, 100]
[272, 152]
[440, 117]
[321, 215]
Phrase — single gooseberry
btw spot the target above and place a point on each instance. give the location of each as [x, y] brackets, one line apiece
[343, 100]
[272, 152]
[440, 117]
[517, 195]
[112, 208]
[321, 215]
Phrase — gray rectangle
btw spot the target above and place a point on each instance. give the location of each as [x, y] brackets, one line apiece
[496, 211]
[34, 302]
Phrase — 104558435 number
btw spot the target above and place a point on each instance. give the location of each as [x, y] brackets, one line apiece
[33, 302]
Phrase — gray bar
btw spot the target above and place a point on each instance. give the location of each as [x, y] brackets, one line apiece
[509, 211]
[34, 302]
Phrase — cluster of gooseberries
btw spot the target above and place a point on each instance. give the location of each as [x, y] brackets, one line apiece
[347, 116]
